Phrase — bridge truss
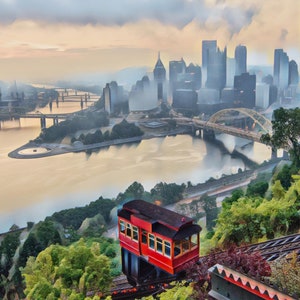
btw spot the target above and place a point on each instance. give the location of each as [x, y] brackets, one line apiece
[264, 123]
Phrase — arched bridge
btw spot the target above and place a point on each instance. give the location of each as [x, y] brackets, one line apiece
[222, 116]
[264, 123]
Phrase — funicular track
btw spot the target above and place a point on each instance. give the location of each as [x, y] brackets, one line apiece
[269, 250]
[123, 290]
[277, 248]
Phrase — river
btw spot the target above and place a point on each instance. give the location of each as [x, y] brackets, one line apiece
[32, 189]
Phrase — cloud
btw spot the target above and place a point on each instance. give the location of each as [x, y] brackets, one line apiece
[177, 13]
[283, 34]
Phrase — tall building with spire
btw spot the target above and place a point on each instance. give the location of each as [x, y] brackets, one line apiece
[240, 55]
[159, 74]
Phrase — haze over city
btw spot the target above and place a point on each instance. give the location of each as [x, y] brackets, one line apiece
[46, 41]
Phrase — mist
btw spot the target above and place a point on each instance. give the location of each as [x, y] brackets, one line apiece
[178, 13]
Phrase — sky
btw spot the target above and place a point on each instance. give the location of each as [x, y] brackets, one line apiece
[43, 41]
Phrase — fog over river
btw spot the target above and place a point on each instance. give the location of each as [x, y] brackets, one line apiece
[32, 189]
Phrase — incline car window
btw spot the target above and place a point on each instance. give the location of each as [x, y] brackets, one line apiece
[167, 248]
[159, 245]
[135, 234]
[185, 245]
[129, 230]
[151, 241]
[122, 226]
[144, 236]
[194, 241]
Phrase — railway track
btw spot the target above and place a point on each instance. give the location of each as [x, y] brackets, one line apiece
[270, 251]
[121, 289]
[277, 248]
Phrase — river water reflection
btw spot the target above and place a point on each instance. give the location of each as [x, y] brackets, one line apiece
[31, 189]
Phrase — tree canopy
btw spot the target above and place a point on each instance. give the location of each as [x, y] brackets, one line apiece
[74, 217]
[168, 193]
[209, 205]
[250, 219]
[286, 132]
[66, 272]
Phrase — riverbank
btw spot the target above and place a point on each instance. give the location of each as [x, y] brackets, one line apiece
[34, 150]
[219, 188]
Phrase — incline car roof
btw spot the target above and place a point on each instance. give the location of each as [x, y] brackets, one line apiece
[157, 213]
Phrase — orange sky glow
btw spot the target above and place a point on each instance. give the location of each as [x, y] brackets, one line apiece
[45, 41]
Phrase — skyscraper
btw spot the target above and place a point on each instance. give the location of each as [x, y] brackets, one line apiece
[281, 69]
[159, 73]
[207, 46]
[244, 86]
[240, 55]
[293, 73]
[113, 96]
[195, 74]
[175, 68]
[143, 95]
[230, 71]
[107, 98]
[216, 69]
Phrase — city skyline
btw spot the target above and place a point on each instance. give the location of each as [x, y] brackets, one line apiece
[47, 41]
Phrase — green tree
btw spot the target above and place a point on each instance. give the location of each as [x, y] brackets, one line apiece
[136, 190]
[177, 291]
[168, 193]
[82, 121]
[8, 247]
[67, 272]
[72, 218]
[209, 205]
[285, 175]
[125, 130]
[278, 191]
[286, 132]
[47, 233]
[250, 219]
[236, 194]
[257, 189]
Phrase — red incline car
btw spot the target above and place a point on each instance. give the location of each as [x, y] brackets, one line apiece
[155, 242]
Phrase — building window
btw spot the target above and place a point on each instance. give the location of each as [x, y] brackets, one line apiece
[122, 226]
[159, 245]
[144, 236]
[135, 233]
[167, 250]
[151, 241]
